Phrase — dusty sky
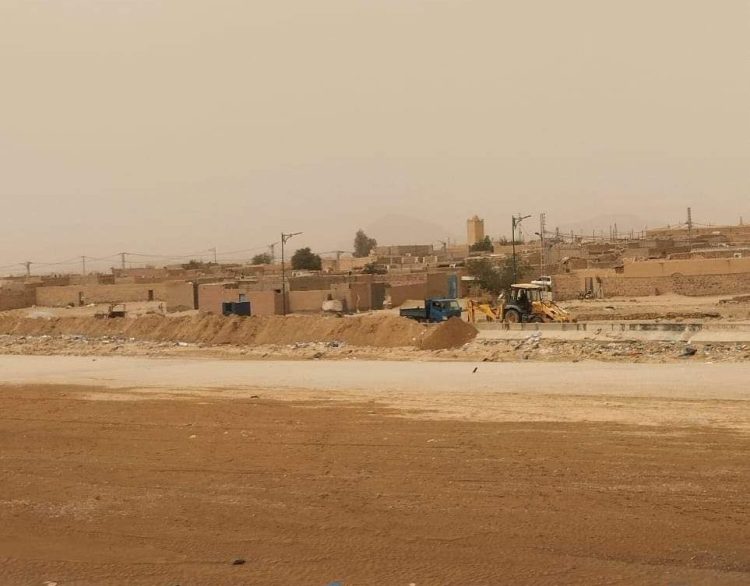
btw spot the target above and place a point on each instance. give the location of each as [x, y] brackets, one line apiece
[174, 126]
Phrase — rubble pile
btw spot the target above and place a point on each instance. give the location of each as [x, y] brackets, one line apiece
[533, 348]
[536, 348]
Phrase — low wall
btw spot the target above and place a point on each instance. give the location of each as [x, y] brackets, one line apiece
[312, 301]
[568, 286]
[16, 298]
[693, 267]
[73, 294]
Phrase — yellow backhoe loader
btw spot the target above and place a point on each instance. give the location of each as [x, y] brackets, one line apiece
[526, 304]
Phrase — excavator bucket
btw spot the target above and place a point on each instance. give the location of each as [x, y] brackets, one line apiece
[550, 312]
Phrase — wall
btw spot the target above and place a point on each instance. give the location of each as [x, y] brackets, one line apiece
[312, 301]
[616, 285]
[315, 282]
[566, 285]
[212, 295]
[709, 266]
[179, 295]
[401, 293]
[16, 297]
[437, 285]
[362, 297]
[61, 296]
[265, 302]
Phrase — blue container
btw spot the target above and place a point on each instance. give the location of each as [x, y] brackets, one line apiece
[236, 308]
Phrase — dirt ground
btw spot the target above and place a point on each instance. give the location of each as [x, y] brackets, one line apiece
[109, 486]
[385, 336]
[656, 307]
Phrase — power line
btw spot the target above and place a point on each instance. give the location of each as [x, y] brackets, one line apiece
[87, 261]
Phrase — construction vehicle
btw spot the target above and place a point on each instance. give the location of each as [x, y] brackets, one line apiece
[434, 310]
[527, 303]
[491, 313]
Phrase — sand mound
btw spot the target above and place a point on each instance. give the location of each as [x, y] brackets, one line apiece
[385, 331]
[450, 334]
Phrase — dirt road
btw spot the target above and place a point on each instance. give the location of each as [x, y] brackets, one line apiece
[166, 471]
[643, 394]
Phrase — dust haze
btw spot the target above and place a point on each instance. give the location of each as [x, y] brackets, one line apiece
[178, 126]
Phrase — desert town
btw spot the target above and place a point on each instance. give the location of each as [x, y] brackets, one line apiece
[608, 296]
[212, 370]
[374, 293]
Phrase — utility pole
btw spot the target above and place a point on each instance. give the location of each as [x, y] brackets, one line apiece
[284, 238]
[28, 268]
[122, 258]
[516, 221]
[215, 258]
[272, 251]
[542, 229]
[83, 266]
[690, 228]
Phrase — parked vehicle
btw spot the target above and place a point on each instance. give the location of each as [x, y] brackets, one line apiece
[434, 310]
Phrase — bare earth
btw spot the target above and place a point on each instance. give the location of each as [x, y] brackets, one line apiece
[165, 471]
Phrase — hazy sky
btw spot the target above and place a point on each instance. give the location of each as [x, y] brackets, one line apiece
[175, 126]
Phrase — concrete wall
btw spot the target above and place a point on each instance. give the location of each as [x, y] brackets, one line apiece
[62, 296]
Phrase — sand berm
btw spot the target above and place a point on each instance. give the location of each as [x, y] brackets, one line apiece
[384, 331]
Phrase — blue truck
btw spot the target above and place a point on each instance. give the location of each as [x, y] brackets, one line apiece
[434, 310]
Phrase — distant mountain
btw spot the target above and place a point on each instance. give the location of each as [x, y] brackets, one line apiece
[397, 229]
[624, 222]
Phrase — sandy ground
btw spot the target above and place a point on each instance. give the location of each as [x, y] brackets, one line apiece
[670, 306]
[165, 471]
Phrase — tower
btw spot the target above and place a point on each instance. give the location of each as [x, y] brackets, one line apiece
[474, 230]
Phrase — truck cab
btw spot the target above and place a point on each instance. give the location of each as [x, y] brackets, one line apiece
[434, 310]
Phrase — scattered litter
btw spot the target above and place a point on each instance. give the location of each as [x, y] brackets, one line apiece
[238, 562]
